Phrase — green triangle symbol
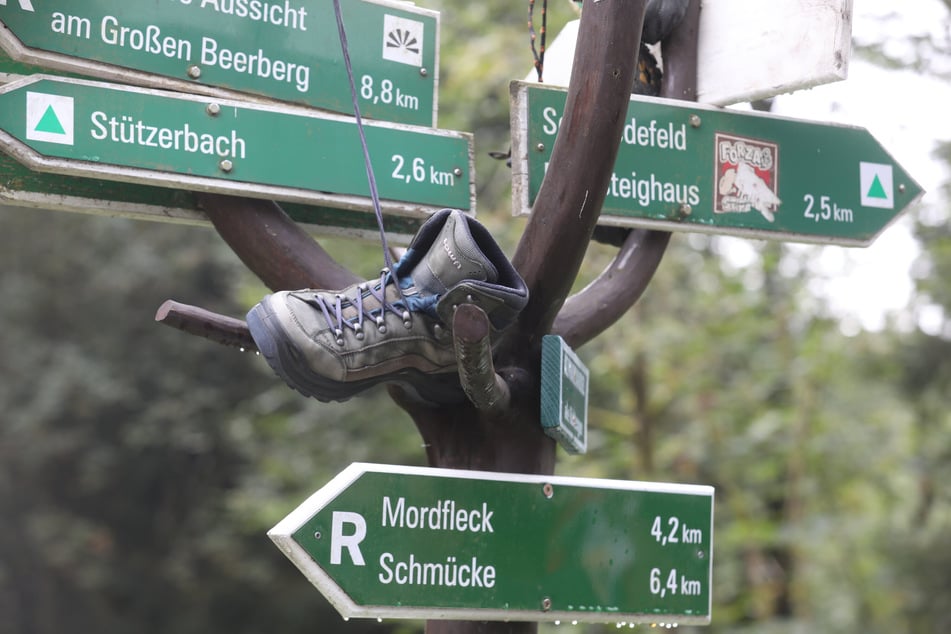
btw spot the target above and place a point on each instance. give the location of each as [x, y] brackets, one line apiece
[50, 123]
[876, 190]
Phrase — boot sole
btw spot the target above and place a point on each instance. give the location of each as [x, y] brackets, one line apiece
[286, 359]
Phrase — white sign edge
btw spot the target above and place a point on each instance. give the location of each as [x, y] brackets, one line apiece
[733, 21]
[519, 122]
[566, 349]
[809, 61]
[160, 213]
[282, 536]
[108, 171]
[713, 509]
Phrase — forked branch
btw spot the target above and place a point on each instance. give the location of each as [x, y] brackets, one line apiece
[596, 307]
[568, 204]
[272, 245]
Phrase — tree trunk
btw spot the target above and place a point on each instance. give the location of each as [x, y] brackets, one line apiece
[566, 212]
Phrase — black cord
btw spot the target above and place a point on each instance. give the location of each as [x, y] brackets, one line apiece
[374, 193]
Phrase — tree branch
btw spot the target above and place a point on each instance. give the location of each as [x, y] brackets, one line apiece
[566, 210]
[679, 50]
[227, 331]
[596, 307]
[272, 245]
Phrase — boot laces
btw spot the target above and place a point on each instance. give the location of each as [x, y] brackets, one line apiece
[370, 303]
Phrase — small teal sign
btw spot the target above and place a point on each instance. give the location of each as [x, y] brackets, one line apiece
[564, 395]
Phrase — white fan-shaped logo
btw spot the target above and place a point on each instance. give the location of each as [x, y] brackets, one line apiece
[402, 40]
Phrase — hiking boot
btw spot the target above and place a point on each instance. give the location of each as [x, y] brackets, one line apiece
[333, 344]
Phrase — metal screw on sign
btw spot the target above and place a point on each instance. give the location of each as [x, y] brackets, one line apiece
[194, 72]
[548, 490]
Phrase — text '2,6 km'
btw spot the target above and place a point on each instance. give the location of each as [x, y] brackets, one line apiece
[97, 130]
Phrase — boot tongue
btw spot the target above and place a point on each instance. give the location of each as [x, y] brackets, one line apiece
[452, 257]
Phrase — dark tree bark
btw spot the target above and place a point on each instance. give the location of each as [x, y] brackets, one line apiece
[569, 202]
[272, 245]
[565, 214]
[601, 303]
[592, 310]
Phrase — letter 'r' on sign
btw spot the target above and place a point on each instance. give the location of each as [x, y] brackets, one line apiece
[339, 541]
[26, 5]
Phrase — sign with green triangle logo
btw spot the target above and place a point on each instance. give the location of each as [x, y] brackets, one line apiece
[121, 133]
[49, 118]
[692, 167]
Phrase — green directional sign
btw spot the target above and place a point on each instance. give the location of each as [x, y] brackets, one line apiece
[287, 50]
[405, 542]
[110, 132]
[688, 167]
[564, 393]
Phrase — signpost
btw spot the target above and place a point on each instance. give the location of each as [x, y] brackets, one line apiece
[287, 50]
[104, 131]
[687, 167]
[410, 542]
[564, 412]
[746, 53]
